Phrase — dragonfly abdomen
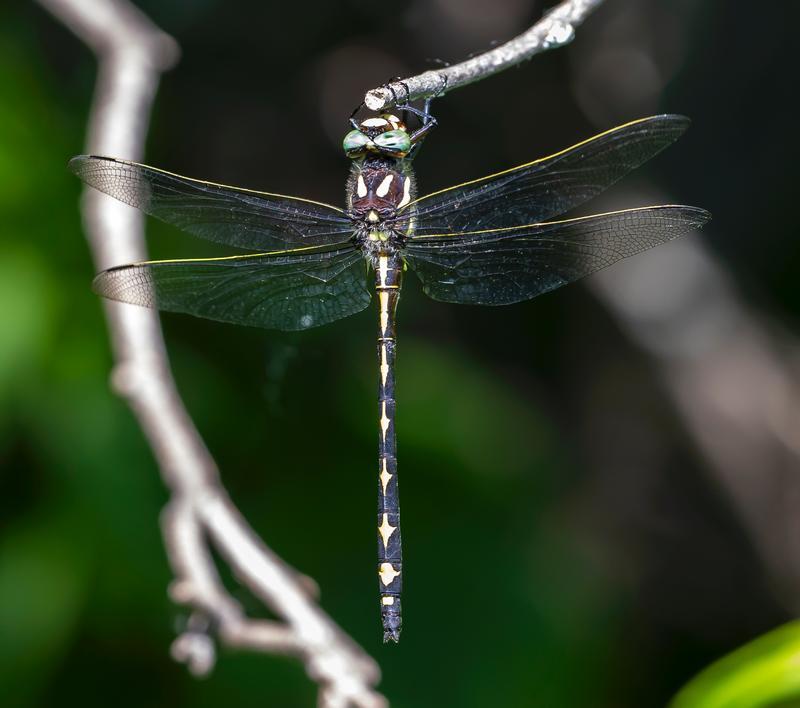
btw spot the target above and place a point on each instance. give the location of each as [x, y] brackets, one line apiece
[388, 275]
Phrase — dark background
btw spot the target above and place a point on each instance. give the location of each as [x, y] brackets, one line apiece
[565, 542]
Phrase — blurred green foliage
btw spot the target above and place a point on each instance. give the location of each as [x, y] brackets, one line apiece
[539, 573]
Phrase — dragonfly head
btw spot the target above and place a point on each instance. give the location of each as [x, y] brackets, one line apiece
[384, 135]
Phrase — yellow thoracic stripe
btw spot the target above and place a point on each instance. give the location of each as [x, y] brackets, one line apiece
[533, 162]
[547, 223]
[233, 258]
[217, 184]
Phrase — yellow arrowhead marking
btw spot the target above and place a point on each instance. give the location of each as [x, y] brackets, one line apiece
[387, 573]
[385, 477]
[384, 421]
[384, 365]
[386, 530]
[383, 296]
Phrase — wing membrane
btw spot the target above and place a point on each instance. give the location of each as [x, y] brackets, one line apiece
[230, 215]
[287, 291]
[548, 187]
[503, 266]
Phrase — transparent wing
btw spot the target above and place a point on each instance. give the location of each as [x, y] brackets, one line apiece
[292, 290]
[547, 187]
[502, 266]
[237, 217]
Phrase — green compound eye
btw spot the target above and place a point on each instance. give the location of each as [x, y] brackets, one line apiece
[355, 142]
[394, 140]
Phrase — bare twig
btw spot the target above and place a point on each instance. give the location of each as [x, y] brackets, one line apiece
[132, 53]
[555, 29]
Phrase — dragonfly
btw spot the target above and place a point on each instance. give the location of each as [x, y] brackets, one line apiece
[495, 240]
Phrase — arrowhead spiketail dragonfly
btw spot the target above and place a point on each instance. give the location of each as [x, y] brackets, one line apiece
[496, 240]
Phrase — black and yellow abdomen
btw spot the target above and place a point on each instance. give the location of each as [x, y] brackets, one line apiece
[388, 278]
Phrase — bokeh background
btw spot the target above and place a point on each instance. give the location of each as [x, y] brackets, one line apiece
[589, 516]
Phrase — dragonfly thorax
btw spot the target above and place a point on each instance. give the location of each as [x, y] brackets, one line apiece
[378, 190]
[380, 187]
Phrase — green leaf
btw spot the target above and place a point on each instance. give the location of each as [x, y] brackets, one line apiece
[765, 672]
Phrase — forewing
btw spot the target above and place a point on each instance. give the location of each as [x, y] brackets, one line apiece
[499, 267]
[236, 217]
[287, 291]
[547, 187]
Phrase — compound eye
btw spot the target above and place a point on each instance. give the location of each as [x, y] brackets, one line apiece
[355, 143]
[396, 141]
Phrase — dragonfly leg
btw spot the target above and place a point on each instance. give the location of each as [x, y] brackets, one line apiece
[425, 115]
[428, 124]
[353, 122]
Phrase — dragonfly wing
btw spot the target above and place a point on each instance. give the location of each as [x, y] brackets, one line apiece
[236, 217]
[503, 266]
[287, 291]
[547, 187]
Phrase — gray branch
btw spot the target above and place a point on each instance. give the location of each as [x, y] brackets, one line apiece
[555, 29]
[132, 53]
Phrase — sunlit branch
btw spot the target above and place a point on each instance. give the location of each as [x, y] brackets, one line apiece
[555, 29]
[132, 53]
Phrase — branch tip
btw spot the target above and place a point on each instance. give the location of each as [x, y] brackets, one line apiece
[196, 650]
[555, 29]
